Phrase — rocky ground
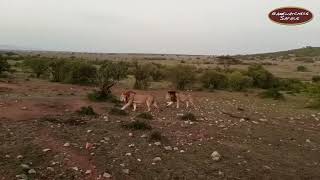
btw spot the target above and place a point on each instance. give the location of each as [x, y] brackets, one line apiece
[234, 136]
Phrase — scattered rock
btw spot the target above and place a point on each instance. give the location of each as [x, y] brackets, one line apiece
[106, 175]
[46, 150]
[215, 156]
[32, 171]
[66, 144]
[75, 168]
[143, 136]
[50, 169]
[7, 156]
[157, 159]
[19, 157]
[89, 131]
[175, 148]
[128, 154]
[125, 171]
[157, 143]
[263, 120]
[130, 134]
[131, 145]
[25, 166]
[24, 108]
[182, 151]
[267, 167]
[88, 172]
[308, 141]
[168, 148]
[22, 177]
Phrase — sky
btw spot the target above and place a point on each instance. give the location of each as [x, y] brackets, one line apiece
[208, 27]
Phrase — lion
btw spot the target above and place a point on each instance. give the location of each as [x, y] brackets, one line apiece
[178, 97]
[132, 98]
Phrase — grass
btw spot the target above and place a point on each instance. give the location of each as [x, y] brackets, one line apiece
[138, 125]
[273, 94]
[145, 115]
[118, 112]
[189, 117]
[87, 111]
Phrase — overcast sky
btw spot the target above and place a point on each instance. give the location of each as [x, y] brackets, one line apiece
[154, 26]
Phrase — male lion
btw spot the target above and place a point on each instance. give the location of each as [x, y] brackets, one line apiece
[178, 97]
[132, 98]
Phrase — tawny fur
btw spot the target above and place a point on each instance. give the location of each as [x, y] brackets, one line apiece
[137, 99]
[179, 97]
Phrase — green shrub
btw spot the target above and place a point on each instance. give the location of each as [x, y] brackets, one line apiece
[302, 68]
[118, 112]
[182, 76]
[272, 93]
[99, 96]
[145, 115]
[291, 85]
[82, 73]
[157, 72]
[189, 117]
[37, 66]
[142, 75]
[316, 78]
[261, 77]
[87, 111]
[60, 70]
[4, 65]
[238, 81]
[156, 136]
[214, 80]
[138, 125]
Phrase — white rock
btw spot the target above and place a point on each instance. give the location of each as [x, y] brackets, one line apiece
[168, 148]
[125, 171]
[32, 171]
[157, 159]
[139, 160]
[130, 134]
[25, 166]
[182, 151]
[88, 172]
[157, 143]
[175, 148]
[215, 156]
[46, 150]
[75, 168]
[50, 169]
[308, 141]
[7, 156]
[66, 144]
[128, 154]
[19, 157]
[89, 131]
[106, 175]
[143, 136]
[131, 145]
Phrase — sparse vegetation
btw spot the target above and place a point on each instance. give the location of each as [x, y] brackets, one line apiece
[87, 111]
[38, 66]
[302, 68]
[156, 136]
[189, 117]
[4, 65]
[213, 79]
[238, 82]
[117, 112]
[316, 79]
[138, 125]
[142, 75]
[272, 93]
[182, 76]
[145, 115]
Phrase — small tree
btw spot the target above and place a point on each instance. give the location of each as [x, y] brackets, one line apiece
[182, 76]
[316, 78]
[38, 66]
[59, 70]
[238, 81]
[4, 65]
[214, 80]
[302, 68]
[261, 77]
[142, 75]
[82, 73]
[109, 74]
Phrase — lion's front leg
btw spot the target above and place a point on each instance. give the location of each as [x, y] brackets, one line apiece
[134, 106]
[125, 106]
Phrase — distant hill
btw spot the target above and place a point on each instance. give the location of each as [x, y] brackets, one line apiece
[302, 52]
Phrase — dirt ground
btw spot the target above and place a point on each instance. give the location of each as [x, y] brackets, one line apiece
[42, 138]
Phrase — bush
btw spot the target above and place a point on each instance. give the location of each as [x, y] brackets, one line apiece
[272, 93]
[145, 115]
[59, 70]
[182, 76]
[292, 85]
[38, 66]
[119, 112]
[261, 77]
[316, 78]
[138, 125]
[302, 69]
[98, 96]
[238, 81]
[4, 65]
[189, 117]
[214, 80]
[156, 136]
[82, 73]
[156, 72]
[315, 104]
[87, 111]
[142, 75]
